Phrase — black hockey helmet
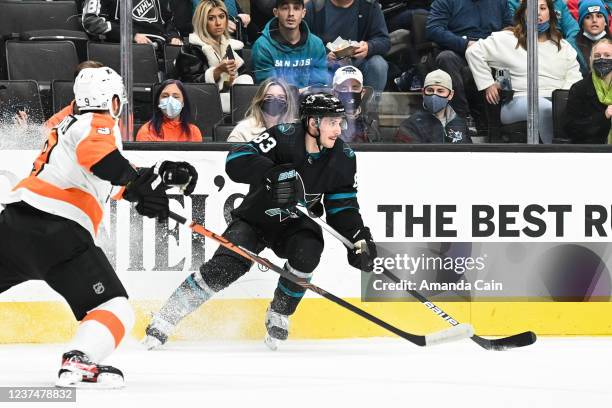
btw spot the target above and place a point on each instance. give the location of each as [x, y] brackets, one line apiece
[321, 105]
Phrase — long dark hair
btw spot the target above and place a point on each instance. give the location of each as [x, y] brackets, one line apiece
[158, 116]
[520, 28]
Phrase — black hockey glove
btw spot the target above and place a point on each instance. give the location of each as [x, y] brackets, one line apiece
[363, 255]
[179, 174]
[148, 191]
[281, 183]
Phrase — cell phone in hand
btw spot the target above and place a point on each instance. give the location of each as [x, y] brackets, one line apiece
[229, 53]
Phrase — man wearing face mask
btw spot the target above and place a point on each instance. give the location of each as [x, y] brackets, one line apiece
[348, 88]
[589, 104]
[593, 22]
[438, 123]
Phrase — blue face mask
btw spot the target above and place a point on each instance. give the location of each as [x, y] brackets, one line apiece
[171, 107]
[543, 27]
[434, 103]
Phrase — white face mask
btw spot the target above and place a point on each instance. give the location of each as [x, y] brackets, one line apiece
[171, 106]
[594, 37]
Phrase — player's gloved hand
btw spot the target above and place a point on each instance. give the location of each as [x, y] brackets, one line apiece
[363, 255]
[179, 174]
[281, 183]
[148, 191]
[316, 209]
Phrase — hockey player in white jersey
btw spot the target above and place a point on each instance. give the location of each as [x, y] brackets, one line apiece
[51, 217]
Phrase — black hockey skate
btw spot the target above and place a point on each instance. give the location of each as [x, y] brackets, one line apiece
[277, 327]
[78, 371]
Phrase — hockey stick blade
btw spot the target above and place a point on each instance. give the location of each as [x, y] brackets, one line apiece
[419, 340]
[500, 344]
[459, 332]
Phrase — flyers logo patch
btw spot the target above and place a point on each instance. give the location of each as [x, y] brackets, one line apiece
[104, 131]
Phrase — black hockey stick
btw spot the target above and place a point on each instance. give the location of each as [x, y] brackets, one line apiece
[456, 332]
[503, 343]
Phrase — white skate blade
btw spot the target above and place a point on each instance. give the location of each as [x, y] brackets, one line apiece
[105, 381]
[459, 332]
[271, 342]
[151, 343]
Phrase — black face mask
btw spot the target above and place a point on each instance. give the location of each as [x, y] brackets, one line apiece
[602, 66]
[274, 106]
[350, 100]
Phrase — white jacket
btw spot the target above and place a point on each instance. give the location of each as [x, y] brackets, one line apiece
[245, 131]
[214, 58]
[558, 69]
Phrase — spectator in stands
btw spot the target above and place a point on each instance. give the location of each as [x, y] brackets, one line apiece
[557, 68]
[438, 123]
[573, 6]
[589, 106]
[455, 25]
[348, 88]
[566, 24]
[593, 27]
[210, 56]
[69, 109]
[152, 20]
[356, 20]
[273, 104]
[288, 50]
[235, 14]
[171, 121]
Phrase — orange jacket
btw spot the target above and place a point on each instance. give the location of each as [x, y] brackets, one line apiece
[171, 131]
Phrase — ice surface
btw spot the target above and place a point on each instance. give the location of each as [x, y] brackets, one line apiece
[555, 372]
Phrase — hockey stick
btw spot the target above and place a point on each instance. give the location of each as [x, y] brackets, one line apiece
[457, 332]
[503, 343]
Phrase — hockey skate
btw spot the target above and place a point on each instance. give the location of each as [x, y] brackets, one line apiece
[157, 333]
[277, 327]
[78, 371]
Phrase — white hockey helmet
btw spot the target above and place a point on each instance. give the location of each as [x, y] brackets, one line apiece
[94, 89]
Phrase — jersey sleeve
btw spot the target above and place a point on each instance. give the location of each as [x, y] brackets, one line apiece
[97, 152]
[341, 205]
[248, 163]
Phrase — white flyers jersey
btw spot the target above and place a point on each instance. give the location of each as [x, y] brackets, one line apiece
[61, 181]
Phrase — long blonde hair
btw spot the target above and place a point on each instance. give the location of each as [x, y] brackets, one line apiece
[200, 20]
[255, 111]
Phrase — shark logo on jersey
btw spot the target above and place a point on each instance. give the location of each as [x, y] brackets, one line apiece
[456, 136]
[286, 128]
[283, 214]
[348, 151]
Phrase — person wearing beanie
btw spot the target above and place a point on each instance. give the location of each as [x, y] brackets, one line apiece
[593, 20]
[438, 123]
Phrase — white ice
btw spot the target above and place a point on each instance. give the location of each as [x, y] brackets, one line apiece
[554, 372]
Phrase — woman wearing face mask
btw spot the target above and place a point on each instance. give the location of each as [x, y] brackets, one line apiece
[171, 117]
[273, 104]
[589, 105]
[211, 55]
[593, 23]
[507, 49]
[438, 123]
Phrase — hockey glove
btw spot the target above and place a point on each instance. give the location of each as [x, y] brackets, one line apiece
[148, 191]
[363, 254]
[179, 174]
[281, 183]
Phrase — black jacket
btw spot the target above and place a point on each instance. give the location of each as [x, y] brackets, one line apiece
[424, 127]
[152, 17]
[191, 64]
[585, 118]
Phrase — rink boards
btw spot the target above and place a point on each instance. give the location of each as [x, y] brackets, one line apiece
[451, 186]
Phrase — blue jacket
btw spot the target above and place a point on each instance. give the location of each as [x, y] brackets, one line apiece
[451, 20]
[301, 66]
[567, 25]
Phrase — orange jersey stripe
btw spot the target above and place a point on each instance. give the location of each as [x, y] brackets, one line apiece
[78, 198]
[108, 319]
[98, 143]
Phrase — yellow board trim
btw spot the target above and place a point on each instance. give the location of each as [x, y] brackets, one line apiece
[45, 322]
